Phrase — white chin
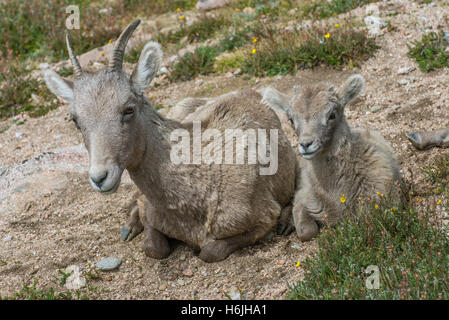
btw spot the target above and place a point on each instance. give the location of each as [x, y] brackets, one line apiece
[308, 156]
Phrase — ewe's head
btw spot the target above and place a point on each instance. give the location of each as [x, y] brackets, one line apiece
[106, 106]
[316, 112]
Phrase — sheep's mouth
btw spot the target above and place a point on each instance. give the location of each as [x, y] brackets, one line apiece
[113, 189]
[309, 155]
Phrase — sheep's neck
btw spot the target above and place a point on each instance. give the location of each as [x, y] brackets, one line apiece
[326, 165]
[155, 166]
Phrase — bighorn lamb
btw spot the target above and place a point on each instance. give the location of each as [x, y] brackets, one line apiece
[340, 164]
[423, 140]
[216, 207]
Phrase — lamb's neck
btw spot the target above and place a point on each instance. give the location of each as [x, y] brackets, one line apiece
[155, 163]
[327, 164]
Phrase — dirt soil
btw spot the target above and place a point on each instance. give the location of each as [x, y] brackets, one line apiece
[51, 218]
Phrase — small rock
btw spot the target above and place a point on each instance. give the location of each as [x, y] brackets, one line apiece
[7, 238]
[237, 71]
[374, 25]
[221, 274]
[395, 107]
[229, 75]
[235, 294]
[198, 83]
[403, 82]
[19, 134]
[376, 109]
[43, 65]
[296, 246]
[108, 264]
[36, 99]
[180, 282]
[431, 5]
[188, 272]
[406, 70]
[162, 287]
[104, 10]
[281, 262]
[74, 281]
[446, 36]
[162, 70]
[249, 11]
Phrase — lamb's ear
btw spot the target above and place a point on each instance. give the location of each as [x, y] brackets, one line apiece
[351, 89]
[61, 87]
[275, 99]
[147, 67]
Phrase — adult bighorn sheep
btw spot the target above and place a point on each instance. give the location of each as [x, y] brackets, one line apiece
[216, 207]
[342, 164]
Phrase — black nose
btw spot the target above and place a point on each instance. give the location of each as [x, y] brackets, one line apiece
[99, 179]
[306, 144]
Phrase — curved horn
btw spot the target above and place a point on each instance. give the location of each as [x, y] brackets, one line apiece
[77, 71]
[119, 48]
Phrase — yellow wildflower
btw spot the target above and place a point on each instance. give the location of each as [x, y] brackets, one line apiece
[439, 201]
[376, 206]
[178, 9]
[393, 210]
[110, 41]
[298, 264]
[237, 9]
[181, 17]
[342, 199]
[254, 51]
[327, 35]
[254, 39]
[102, 53]
[337, 25]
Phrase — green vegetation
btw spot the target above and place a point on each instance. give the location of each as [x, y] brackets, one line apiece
[192, 64]
[327, 9]
[22, 93]
[409, 246]
[290, 51]
[200, 30]
[430, 52]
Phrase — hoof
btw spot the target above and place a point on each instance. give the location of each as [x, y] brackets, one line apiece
[127, 233]
[285, 228]
[415, 139]
[214, 251]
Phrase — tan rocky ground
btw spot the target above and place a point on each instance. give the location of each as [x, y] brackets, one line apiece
[50, 217]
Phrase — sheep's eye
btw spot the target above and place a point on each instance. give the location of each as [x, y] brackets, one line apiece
[128, 111]
[127, 114]
[332, 115]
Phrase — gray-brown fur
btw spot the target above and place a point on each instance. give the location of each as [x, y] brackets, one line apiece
[424, 140]
[218, 208]
[338, 161]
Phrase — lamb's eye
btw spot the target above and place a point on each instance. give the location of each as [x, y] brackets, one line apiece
[332, 115]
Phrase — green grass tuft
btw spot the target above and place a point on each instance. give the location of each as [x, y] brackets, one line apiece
[429, 53]
[192, 64]
[290, 51]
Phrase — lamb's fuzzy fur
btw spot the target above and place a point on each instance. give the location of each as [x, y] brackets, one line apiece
[345, 164]
[219, 207]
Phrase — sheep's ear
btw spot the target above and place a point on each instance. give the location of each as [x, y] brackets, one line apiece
[61, 87]
[351, 89]
[275, 99]
[147, 67]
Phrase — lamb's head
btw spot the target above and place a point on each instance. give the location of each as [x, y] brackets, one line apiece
[316, 112]
[107, 107]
